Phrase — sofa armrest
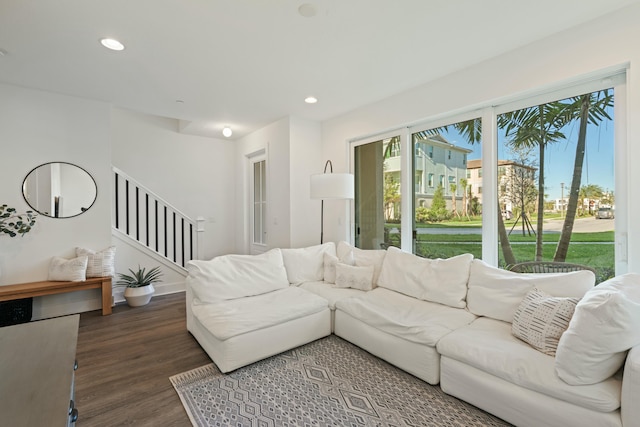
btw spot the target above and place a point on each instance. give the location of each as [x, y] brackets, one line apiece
[630, 410]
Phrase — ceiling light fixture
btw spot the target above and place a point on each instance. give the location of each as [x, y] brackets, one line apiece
[112, 44]
[226, 131]
[311, 100]
[307, 10]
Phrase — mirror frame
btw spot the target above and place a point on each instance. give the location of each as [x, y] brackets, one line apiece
[24, 195]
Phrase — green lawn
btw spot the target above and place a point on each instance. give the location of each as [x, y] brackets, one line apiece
[593, 249]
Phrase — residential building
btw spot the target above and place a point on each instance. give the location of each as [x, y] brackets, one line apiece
[512, 178]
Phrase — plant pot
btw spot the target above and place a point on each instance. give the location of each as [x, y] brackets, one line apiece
[137, 297]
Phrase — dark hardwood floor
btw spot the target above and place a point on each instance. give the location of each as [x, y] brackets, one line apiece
[125, 361]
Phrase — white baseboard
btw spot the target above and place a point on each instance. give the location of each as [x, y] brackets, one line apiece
[161, 289]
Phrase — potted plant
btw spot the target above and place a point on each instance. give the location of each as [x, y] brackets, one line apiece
[139, 285]
[13, 223]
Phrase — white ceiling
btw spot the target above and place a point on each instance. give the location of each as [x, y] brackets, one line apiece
[247, 63]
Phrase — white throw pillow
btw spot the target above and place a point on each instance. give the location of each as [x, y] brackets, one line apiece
[306, 264]
[437, 280]
[68, 270]
[541, 319]
[351, 276]
[497, 293]
[605, 325]
[236, 276]
[101, 263]
[348, 254]
[330, 262]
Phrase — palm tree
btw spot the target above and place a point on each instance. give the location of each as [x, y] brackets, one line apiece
[454, 209]
[590, 108]
[464, 183]
[535, 126]
[589, 192]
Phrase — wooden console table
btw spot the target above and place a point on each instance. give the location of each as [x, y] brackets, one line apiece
[38, 289]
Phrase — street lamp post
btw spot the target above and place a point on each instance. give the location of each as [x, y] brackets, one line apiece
[562, 200]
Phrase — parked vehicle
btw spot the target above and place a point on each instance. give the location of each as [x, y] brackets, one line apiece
[604, 213]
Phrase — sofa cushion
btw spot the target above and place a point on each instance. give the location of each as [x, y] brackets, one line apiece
[437, 280]
[348, 254]
[235, 276]
[497, 293]
[226, 319]
[330, 292]
[352, 276]
[306, 264]
[605, 325]
[488, 345]
[541, 319]
[406, 317]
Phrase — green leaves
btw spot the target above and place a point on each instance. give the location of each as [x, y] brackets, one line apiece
[139, 278]
[13, 223]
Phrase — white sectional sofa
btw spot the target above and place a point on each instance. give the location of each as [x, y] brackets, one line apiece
[488, 336]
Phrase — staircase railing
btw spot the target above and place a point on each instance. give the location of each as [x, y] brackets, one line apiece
[154, 223]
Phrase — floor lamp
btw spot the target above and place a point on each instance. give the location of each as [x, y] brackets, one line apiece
[330, 186]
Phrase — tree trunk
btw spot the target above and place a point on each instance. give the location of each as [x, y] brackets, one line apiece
[539, 222]
[567, 227]
[505, 244]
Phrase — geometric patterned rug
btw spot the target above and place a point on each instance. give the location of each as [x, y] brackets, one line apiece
[329, 382]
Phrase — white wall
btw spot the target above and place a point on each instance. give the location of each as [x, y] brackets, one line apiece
[609, 42]
[39, 127]
[305, 160]
[193, 173]
[274, 140]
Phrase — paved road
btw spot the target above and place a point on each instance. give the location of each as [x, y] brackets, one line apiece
[581, 225]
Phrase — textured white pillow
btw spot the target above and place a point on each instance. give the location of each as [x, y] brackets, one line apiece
[605, 325]
[351, 276]
[496, 293]
[99, 264]
[348, 254]
[68, 270]
[306, 264]
[437, 280]
[541, 319]
[330, 262]
[236, 276]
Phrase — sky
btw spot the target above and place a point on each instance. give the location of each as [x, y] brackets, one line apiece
[598, 167]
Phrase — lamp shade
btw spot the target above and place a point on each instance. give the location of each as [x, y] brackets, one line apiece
[332, 186]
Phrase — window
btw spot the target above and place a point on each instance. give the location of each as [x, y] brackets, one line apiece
[553, 173]
[377, 167]
[259, 202]
[452, 197]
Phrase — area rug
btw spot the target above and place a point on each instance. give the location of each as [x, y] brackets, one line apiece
[329, 382]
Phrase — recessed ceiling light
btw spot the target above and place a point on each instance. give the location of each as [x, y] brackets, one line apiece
[311, 100]
[307, 10]
[227, 131]
[112, 44]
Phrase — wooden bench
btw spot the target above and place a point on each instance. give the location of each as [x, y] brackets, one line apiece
[38, 289]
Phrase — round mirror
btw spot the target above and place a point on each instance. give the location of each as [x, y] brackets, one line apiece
[59, 190]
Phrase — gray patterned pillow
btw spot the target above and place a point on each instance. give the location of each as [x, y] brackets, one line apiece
[541, 319]
[99, 264]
